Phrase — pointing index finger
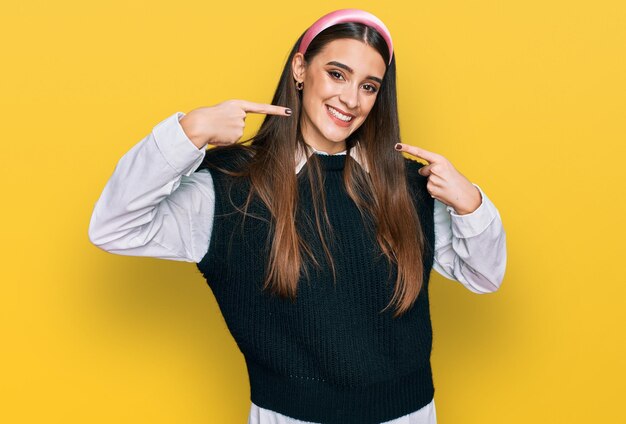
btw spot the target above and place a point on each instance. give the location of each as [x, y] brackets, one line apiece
[420, 152]
[265, 108]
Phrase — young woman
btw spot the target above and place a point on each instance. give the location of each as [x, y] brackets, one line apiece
[318, 238]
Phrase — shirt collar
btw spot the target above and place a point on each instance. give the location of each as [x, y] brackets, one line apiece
[355, 152]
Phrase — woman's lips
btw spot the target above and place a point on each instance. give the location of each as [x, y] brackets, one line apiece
[337, 120]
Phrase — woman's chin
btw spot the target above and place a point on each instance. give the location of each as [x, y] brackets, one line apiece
[337, 135]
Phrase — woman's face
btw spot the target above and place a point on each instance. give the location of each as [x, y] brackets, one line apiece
[341, 84]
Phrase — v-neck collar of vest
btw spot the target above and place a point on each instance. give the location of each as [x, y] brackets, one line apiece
[301, 158]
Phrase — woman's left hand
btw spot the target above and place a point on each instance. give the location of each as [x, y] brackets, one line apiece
[445, 183]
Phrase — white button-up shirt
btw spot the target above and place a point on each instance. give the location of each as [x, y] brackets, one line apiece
[155, 205]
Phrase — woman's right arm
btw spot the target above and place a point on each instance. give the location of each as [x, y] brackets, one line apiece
[154, 204]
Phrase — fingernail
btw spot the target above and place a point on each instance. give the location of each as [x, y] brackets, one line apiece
[288, 111]
[398, 146]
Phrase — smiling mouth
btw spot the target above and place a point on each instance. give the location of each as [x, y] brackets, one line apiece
[339, 115]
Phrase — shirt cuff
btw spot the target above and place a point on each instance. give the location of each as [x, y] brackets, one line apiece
[177, 149]
[473, 223]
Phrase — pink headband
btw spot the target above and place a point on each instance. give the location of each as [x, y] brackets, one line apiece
[346, 15]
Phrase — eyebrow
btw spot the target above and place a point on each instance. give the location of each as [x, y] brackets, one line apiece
[349, 69]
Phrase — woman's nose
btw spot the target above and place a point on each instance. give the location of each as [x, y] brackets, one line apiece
[350, 97]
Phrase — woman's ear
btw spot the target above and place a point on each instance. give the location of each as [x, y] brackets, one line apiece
[297, 66]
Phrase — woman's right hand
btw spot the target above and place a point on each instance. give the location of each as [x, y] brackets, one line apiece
[223, 123]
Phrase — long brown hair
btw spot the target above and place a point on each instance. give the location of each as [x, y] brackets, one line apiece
[398, 229]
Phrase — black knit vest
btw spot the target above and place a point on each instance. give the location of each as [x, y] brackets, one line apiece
[330, 356]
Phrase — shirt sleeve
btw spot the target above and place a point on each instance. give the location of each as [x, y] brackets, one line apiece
[471, 248]
[154, 204]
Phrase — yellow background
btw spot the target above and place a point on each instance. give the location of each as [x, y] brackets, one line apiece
[525, 98]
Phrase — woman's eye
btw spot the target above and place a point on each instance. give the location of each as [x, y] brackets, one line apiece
[333, 73]
[373, 89]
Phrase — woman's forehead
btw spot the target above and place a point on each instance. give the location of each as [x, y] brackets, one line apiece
[356, 54]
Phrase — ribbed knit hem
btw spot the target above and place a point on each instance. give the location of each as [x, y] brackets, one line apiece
[317, 401]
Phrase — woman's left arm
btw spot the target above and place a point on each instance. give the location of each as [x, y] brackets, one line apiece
[471, 248]
[470, 241]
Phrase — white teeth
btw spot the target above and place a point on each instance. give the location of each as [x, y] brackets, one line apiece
[339, 114]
